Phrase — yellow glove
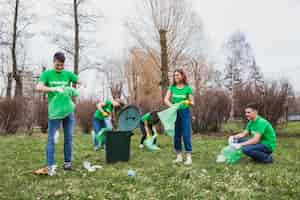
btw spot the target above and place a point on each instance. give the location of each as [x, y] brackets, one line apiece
[105, 114]
[186, 102]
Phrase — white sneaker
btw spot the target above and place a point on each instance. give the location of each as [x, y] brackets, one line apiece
[96, 148]
[141, 146]
[179, 159]
[188, 160]
[52, 170]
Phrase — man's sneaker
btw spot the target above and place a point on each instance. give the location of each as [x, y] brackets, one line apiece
[270, 159]
[179, 159]
[67, 166]
[141, 146]
[96, 148]
[51, 170]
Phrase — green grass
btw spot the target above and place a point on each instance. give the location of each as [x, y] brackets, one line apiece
[233, 127]
[156, 176]
[291, 128]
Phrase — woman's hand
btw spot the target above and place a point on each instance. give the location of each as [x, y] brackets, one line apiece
[186, 102]
[167, 99]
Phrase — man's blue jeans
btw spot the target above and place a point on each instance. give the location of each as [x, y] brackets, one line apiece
[258, 152]
[53, 126]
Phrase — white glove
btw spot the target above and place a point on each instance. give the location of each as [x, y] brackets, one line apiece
[236, 145]
[230, 140]
[58, 89]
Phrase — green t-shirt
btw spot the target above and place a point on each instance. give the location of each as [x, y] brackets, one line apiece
[52, 78]
[180, 94]
[147, 117]
[61, 104]
[107, 108]
[264, 128]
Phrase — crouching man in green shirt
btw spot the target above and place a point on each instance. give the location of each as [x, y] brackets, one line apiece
[262, 141]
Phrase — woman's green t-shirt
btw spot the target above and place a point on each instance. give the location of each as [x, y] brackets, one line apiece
[180, 94]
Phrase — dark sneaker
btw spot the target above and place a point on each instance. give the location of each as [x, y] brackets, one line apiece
[67, 166]
[96, 148]
[269, 159]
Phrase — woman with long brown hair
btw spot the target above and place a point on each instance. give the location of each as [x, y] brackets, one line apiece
[180, 91]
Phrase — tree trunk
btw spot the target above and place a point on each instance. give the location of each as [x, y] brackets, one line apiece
[197, 76]
[197, 85]
[135, 87]
[19, 85]
[15, 72]
[116, 92]
[76, 41]
[164, 62]
[232, 105]
[9, 85]
[231, 116]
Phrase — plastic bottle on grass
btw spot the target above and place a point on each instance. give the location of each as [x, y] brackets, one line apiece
[130, 173]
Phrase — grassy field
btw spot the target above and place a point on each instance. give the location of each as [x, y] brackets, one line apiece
[290, 129]
[156, 176]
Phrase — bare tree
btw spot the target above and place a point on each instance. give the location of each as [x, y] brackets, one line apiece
[131, 73]
[255, 77]
[77, 20]
[164, 29]
[238, 56]
[115, 76]
[19, 20]
[16, 75]
[201, 72]
[5, 51]
[142, 80]
[217, 79]
[4, 65]
[2, 57]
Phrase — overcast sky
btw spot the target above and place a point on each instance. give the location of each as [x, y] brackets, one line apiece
[271, 26]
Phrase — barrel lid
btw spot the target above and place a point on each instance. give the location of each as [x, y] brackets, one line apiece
[128, 118]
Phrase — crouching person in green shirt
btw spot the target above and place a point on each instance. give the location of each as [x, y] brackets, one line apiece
[148, 127]
[101, 118]
[262, 141]
[52, 82]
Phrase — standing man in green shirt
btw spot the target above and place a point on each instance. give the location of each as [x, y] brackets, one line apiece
[262, 141]
[52, 82]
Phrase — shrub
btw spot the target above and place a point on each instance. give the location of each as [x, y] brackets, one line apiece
[10, 115]
[272, 100]
[84, 114]
[211, 110]
[40, 109]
